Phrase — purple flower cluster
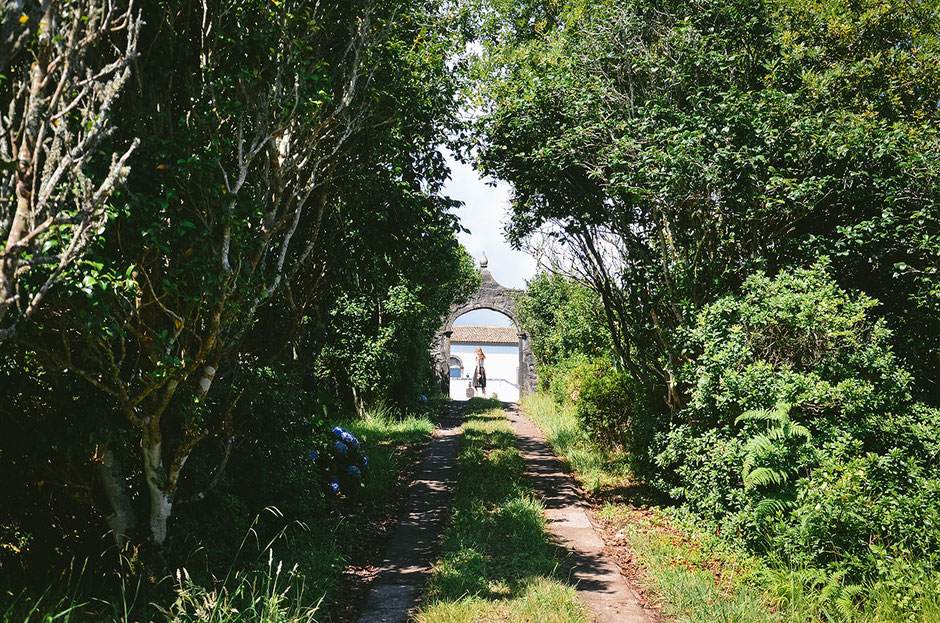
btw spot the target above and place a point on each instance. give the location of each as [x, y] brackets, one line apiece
[342, 463]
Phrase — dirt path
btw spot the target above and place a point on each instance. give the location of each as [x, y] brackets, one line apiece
[394, 591]
[599, 583]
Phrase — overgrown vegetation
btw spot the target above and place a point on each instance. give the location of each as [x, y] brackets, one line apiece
[698, 575]
[221, 230]
[498, 560]
[742, 194]
[801, 442]
[238, 561]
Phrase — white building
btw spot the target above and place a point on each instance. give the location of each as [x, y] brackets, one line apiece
[501, 347]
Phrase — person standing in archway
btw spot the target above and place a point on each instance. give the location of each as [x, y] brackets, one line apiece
[479, 372]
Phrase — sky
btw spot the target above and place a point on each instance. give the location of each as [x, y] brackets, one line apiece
[484, 213]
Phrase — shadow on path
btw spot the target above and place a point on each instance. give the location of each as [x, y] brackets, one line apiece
[599, 583]
[411, 551]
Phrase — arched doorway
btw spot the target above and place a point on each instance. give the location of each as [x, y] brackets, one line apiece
[495, 334]
[495, 297]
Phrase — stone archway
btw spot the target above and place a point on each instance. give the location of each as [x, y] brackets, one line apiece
[496, 297]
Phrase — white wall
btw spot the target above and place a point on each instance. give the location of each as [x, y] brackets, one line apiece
[502, 370]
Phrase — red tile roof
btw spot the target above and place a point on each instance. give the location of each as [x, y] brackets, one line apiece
[485, 335]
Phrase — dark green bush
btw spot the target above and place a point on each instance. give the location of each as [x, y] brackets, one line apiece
[269, 467]
[566, 377]
[619, 412]
[838, 463]
[606, 405]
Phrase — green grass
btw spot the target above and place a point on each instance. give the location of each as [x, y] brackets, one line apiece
[287, 577]
[700, 578]
[322, 551]
[599, 471]
[680, 574]
[384, 437]
[694, 580]
[498, 563]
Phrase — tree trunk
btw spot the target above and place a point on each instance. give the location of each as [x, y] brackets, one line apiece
[161, 502]
[121, 521]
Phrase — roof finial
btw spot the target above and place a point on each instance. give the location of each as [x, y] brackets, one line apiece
[483, 261]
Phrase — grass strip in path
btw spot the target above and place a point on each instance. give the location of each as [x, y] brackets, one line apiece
[608, 595]
[408, 559]
[498, 561]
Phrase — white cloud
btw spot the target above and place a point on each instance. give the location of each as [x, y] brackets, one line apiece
[485, 213]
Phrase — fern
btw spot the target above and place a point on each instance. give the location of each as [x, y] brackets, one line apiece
[763, 476]
[833, 587]
[783, 429]
[758, 446]
[790, 430]
[757, 471]
[848, 599]
[763, 415]
[770, 505]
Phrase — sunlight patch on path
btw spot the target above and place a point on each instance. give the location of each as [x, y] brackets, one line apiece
[498, 562]
[395, 590]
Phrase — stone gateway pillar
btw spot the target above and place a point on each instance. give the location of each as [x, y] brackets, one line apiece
[496, 297]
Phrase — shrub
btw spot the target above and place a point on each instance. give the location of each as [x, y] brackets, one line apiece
[566, 377]
[617, 411]
[605, 407]
[842, 467]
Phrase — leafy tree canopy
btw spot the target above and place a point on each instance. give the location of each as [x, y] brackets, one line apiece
[673, 149]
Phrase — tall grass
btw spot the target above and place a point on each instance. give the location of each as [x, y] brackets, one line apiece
[284, 578]
[267, 595]
[701, 579]
[498, 562]
[598, 470]
[250, 593]
[60, 599]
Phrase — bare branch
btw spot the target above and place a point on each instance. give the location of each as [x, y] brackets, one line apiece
[52, 140]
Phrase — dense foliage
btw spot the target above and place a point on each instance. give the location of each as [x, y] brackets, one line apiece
[222, 224]
[564, 318]
[750, 190]
[252, 241]
[802, 433]
[671, 150]
[802, 439]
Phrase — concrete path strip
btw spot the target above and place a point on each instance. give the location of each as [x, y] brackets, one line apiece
[408, 559]
[598, 581]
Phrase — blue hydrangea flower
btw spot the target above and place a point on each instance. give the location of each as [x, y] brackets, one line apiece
[350, 440]
[340, 447]
[423, 399]
[334, 485]
[365, 460]
[354, 472]
[314, 455]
